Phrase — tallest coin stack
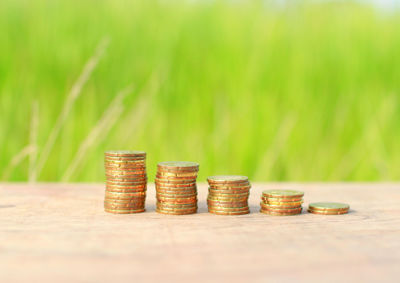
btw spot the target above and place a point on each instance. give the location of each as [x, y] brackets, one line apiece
[126, 181]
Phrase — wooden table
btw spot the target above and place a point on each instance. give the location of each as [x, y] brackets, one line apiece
[60, 233]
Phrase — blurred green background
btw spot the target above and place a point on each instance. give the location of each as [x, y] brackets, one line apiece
[278, 91]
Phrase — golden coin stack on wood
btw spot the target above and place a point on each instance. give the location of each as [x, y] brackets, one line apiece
[176, 189]
[328, 208]
[281, 202]
[126, 181]
[228, 195]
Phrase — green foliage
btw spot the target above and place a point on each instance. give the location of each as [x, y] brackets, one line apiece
[305, 91]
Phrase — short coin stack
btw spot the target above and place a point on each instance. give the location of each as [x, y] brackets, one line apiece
[126, 181]
[176, 189]
[281, 202]
[228, 195]
[328, 208]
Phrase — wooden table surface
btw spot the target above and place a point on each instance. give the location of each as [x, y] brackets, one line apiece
[60, 233]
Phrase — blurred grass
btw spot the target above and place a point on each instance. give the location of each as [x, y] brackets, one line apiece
[299, 91]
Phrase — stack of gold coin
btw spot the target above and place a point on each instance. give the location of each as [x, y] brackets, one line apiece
[281, 202]
[176, 189]
[328, 208]
[126, 181]
[228, 195]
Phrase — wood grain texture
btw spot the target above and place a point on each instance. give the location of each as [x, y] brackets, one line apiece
[60, 233]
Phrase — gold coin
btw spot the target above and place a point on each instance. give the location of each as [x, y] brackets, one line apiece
[286, 200]
[176, 212]
[279, 213]
[241, 195]
[122, 182]
[178, 165]
[268, 201]
[328, 212]
[227, 199]
[272, 206]
[119, 199]
[127, 187]
[130, 153]
[329, 206]
[282, 194]
[124, 197]
[124, 163]
[227, 192]
[176, 189]
[226, 206]
[175, 186]
[124, 211]
[176, 194]
[177, 209]
[160, 195]
[282, 210]
[177, 175]
[229, 209]
[123, 207]
[177, 200]
[227, 179]
[232, 187]
[227, 213]
[174, 181]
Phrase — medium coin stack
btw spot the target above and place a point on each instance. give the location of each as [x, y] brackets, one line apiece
[281, 202]
[176, 189]
[328, 208]
[228, 195]
[126, 181]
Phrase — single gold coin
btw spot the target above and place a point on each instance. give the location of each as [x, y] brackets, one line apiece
[229, 209]
[283, 203]
[326, 212]
[329, 206]
[217, 212]
[228, 192]
[178, 165]
[127, 188]
[176, 194]
[282, 210]
[176, 197]
[172, 206]
[286, 200]
[176, 212]
[234, 187]
[227, 199]
[124, 163]
[241, 195]
[177, 200]
[177, 175]
[282, 194]
[279, 213]
[230, 179]
[125, 153]
[123, 206]
[124, 211]
[174, 181]
[272, 206]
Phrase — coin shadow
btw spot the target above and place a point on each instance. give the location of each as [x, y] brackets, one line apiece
[7, 206]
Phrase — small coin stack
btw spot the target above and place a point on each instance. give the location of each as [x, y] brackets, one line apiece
[228, 195]
[126, 181]
[328, 208]
[281, 202]
[176, 189]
